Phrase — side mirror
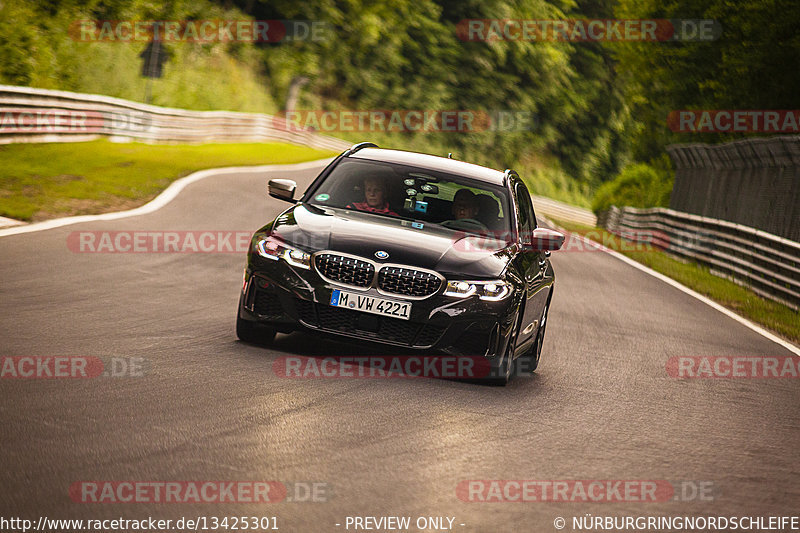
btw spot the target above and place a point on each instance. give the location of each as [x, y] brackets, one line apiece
[282, 189]
[545, 239]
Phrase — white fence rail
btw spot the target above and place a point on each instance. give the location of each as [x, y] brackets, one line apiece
[39, 115]
[554, 208]
[766, 263]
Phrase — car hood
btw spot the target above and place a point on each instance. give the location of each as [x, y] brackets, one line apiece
[452, 253]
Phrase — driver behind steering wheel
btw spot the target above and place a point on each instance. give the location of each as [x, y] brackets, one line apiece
[465, 208]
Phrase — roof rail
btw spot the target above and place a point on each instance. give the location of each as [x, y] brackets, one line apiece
[356, 147]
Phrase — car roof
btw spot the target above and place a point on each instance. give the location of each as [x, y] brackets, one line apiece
[432, 162]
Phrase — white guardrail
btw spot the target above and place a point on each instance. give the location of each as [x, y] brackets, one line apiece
[570, 213]
[766, 263]
[40, 115]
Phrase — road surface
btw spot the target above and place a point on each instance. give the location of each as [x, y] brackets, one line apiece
[208, 407]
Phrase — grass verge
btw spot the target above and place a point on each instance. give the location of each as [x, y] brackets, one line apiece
[42, 181]
[772, 315]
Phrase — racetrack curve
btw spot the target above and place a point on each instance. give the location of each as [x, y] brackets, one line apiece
[601, 405]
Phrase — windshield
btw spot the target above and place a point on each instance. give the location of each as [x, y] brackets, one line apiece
[427, 196]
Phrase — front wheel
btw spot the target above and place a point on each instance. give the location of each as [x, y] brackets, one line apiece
[534, 355]
[502, 373]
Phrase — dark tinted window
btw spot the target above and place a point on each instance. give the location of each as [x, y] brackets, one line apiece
[400, 191]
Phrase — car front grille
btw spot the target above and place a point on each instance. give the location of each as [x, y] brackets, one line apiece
[408, 282]
[378, 328]
[405, 281]
[346, 270]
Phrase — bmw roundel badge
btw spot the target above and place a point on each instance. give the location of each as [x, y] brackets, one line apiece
[381, 254]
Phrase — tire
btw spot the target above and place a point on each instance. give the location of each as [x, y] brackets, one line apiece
[503, 373]
[534, 355]
[254, 333]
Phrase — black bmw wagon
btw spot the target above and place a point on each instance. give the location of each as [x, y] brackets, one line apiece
[407, 249]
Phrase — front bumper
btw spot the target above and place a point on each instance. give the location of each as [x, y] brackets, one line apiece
[291, 298]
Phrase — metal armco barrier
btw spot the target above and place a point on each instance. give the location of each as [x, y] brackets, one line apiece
[554, 208]
[754, 182]
[766, 263]
[39, 115]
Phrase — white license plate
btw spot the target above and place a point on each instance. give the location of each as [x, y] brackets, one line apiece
[369, 304]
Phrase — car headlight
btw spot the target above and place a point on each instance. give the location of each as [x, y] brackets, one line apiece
[486, 290]
[273, 248]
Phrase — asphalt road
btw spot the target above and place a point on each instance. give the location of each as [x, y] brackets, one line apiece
[209, 407]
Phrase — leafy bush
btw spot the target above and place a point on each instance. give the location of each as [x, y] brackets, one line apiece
[638, 185]
[38, 50]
